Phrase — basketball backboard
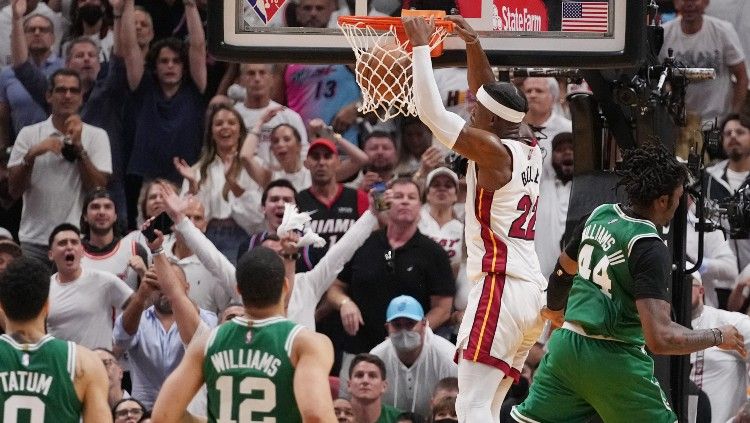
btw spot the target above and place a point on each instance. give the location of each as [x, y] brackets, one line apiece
[549, 33]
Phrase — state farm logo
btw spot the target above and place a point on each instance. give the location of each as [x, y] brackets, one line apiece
[515, 15]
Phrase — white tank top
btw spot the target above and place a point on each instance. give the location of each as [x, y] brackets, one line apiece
[500, 224]
[115, 262]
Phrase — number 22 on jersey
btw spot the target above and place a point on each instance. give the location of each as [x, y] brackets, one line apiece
[598, 275]
[523, 226]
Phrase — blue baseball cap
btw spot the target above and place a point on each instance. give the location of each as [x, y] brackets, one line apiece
[404, 306]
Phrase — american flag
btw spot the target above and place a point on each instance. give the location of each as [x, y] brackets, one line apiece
[585, 16]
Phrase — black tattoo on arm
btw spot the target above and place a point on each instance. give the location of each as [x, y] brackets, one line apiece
[665, 337]
[693, 340]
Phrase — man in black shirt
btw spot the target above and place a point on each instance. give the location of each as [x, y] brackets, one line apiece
[397, 260]
[335, 206]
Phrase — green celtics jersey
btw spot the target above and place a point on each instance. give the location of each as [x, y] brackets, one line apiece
[602, 300]
[248, 372]
[36, 381]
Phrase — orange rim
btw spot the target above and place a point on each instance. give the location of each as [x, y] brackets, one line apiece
[385, 23]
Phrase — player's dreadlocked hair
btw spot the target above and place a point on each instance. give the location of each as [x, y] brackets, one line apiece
[650, 171]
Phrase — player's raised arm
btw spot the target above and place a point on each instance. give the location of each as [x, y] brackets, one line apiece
[477, 64]
[92, 378]
[182, 385]
[312, 356]
[478, 145]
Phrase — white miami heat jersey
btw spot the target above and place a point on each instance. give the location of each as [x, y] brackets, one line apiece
[115, 261]
[500, 224]
[450, 236]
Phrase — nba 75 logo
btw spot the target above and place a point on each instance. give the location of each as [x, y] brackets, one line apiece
[265, 9]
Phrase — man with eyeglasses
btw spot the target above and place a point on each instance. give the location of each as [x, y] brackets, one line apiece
[54, 162]
[17, 107]
[35, 7]
[397, 260]
[129, 410]
[102, 97]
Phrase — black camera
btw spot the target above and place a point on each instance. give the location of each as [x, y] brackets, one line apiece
[69, 151]
[738, 212]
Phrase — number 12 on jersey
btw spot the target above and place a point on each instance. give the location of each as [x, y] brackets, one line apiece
[598, 275]
[248, 406]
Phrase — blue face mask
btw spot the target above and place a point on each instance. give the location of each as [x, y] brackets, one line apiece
[406, 340]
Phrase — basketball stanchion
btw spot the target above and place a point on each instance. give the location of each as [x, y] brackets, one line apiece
[383, 60]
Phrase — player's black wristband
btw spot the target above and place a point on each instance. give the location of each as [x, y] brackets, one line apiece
[558, 288]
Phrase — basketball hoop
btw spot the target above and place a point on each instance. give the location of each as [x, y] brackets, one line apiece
[383, 60]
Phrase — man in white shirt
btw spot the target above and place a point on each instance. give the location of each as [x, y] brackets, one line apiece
[552, 210]
[542, 95]
[707, 42]
[721, 374]
[209, 284]
[736, 12]
[415, 358]
[81, 300]
[257, 81]
[53, 163]
[103, 247]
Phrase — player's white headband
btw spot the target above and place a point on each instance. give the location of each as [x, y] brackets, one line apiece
[503, 112]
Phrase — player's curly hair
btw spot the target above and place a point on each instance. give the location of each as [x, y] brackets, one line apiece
[650, 171]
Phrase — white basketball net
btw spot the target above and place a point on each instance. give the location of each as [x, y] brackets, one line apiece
[383, 69]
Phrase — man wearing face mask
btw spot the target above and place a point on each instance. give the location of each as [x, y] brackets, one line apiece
[415, 358]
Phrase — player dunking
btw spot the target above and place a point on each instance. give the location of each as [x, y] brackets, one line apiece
[43, 379]
[619, 300]
[260, 368]
[502, 319]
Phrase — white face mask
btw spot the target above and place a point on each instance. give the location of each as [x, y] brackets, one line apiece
[406, 340]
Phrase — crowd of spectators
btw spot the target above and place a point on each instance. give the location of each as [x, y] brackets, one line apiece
[113, 114]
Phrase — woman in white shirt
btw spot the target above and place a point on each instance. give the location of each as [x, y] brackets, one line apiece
[286, 146]
[219, 180]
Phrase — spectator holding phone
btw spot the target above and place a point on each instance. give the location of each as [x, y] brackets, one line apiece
[151, 199]
[382, 158]
[158, 323]
[208, 272]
